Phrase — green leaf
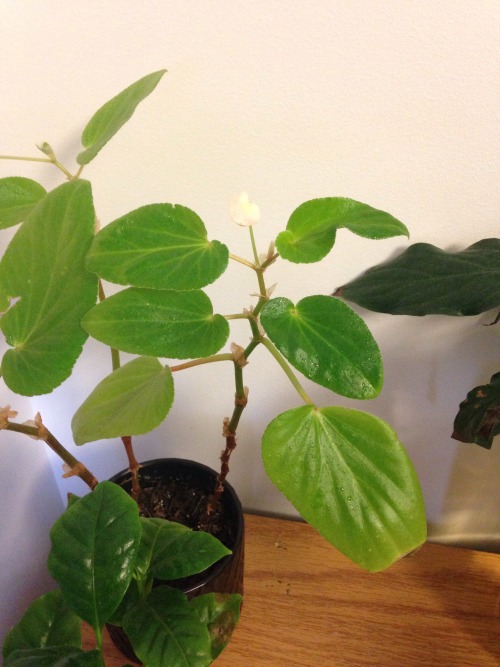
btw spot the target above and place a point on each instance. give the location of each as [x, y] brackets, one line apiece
[327, 342]
[478, 419]
[134, 399]
[94, 547]
[170, 550]
[165, 630]
[310, 232]
[161, 246]
[44, 266]
[159, 323]
[220, 612]
[18, 196]
[106, 122]
[425, 280]
[56, 656]
[349, 477]
[47, 622]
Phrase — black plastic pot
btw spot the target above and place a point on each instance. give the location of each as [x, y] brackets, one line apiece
[225, 576]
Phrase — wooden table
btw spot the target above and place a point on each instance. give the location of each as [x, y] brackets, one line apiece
[306, 605]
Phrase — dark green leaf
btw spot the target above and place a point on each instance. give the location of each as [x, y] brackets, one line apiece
[47, 622]
[18, 196]
[56, 656]
[159, 323]
[161, 246]
[425, 280]
[171, 551]
[220, 612]
[165, 630]
[44, 266]
[94, 547]
[328, 342]
[132, 400]
[106, 122]
[478, 419]
[310, 232]
[349, 477]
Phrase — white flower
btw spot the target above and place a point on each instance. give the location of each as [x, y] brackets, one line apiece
[243, 212]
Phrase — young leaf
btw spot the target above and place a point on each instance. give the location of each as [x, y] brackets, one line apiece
[425, 280]
[94, 547]
[47, 622]
[165, 630]
[134, 399]
[169, 550]
[55, 656]
[478, 419]
[350, 478]
[310, 232]
[18, 196]
[106, 122]
[161, 246]
[159, 323]
[44, 266]
[220, 612]
[327, 342]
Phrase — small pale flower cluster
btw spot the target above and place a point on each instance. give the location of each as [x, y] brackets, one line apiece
[243, 212]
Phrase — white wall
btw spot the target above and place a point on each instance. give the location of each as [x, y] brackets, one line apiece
[391, 102]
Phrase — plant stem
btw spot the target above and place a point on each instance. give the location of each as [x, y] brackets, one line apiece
[133, 466]
[288, 371]
[226, 356]
[241, 260]
[48, 160]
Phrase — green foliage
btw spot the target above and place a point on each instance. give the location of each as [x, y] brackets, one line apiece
[478, 418]
[54, 656]
[221, 614]
[18, 196]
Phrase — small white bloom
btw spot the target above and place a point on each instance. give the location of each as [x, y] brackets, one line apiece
[243, 212]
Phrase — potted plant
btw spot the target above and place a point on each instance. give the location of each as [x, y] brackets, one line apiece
[344, 470]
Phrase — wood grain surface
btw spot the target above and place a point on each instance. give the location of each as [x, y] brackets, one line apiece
[306, 605]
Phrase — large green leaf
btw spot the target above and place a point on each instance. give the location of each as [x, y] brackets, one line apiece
[425, 280]
[160, 323]
[18, 196]
[47, 622]
[162, 246]
[44, 266]
[134, 399]
[310, 232]
[54, 656]
[328, 342]
[165, 630]
[350, 478]
[94, 547]
[106, 122]
[169, 550]
[478, 419]
[220, 612]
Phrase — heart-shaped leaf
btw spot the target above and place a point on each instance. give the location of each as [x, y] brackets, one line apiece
[18, 196]
[162, 246]
[54, 656]
[165, 630]
[134, 399]
[220, 612]
[94, 547]
[106, 122]
[169, 550]
[326, 341]
[425, 280]
[47, 622]
[159, 323]
[478, 419]
[44, 266]
[349, 477]
[310, 232]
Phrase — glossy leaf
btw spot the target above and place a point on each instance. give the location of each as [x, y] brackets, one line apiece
[161, 246]
[165, 630]
[349, 477]
[47, 622]
[106, 122]
[18, 196]
[425, 280]
[478, 419]
[220, 612]
[326, 341]
[56, 656]
[44, 266]
[134, 399]
[160, 323]
[311, 229]
[94, 547]
[171, 551]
